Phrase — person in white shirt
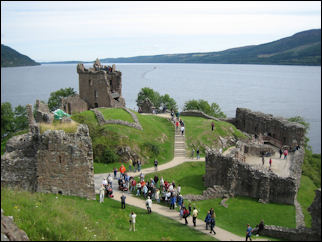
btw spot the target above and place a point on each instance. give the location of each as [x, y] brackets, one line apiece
[182, 130]
[179, 189]
[132, 221]
[104, 182]
[102, 193]
[110, 179]
[149, 204]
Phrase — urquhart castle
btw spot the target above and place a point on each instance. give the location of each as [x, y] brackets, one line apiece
[57, 162]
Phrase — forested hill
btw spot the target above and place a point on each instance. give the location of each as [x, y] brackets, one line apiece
[10, 58]
[303, 48]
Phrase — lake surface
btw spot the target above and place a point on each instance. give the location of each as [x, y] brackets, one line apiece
[285, 91]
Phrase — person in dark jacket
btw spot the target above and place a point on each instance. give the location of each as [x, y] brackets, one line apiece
[207, 219]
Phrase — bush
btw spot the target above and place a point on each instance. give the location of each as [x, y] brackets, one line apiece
[202, 105]
[54, 101]
[152, 148]
[108, 156]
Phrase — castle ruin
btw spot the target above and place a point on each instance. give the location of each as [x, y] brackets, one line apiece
[100, 86]
[241, 171]
[51, 162]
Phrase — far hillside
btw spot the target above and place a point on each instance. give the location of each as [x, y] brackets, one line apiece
[303, 48]
[11, 58]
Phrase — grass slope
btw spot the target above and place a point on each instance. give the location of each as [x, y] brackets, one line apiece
[198, 133]
[157, 132]
[116, 113]
[50, 217]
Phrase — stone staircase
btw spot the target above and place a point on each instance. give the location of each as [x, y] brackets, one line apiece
[179, 145]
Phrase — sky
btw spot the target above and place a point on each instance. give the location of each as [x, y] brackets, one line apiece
[86, 30]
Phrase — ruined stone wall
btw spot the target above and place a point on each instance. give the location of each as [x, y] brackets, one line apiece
[54, 162]
[278, 128]
[65, 163]
[197, 113]
[315, 210]
[42, 113]
[302, 234]
[18, 163]
[241, 179]
[74, 104]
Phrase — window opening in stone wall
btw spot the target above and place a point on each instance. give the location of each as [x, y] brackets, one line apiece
[90, 82]
[111, 84]
[60, 192]
[96, 105]
[95, 94]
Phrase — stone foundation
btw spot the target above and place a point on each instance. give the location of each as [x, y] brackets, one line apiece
[239, 178]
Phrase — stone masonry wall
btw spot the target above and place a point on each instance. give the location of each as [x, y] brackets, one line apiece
[278, 128]
[54, 162]
[65, 163]
[241, 179]
[315, 210]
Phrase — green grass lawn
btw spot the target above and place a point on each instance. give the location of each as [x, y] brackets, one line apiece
[242, 211]
[188, 175]
[50, 217]
[305, 197]
[157, 131]
[116, 113]
[198, 133]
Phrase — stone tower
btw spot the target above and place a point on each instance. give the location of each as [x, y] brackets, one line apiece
[100, 86]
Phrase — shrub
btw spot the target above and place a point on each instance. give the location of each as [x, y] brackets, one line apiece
[202, 105]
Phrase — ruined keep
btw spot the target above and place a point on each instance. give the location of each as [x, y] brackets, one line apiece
[241, 179]
[50, 162]
[279, 131]
[100, 86]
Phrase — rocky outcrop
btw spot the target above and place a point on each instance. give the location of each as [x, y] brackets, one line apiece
[210, 193]
[10, 231]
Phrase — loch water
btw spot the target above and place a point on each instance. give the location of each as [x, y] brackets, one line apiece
[279, 90]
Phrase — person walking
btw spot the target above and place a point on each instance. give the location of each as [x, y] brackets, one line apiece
[207, 219]
[185, 214]
[115, 172]
[281, 152]
[182, 130]
[148, 204]
[212, 126]
[123, 197]
[102, 193]
[134, 166]
[249, 232]
[139, 165]
[132, 221]
[194, 216]
[270, 163]
[130, 164]
[198, 154]
[192, 153]
[263, 160]
[177, 125]
[173, 200]
[285, 154]
[155, 165]
[212, 220]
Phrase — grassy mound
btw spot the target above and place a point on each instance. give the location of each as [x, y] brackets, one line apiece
[56, 125]
[156, 140]
[116, 113]
[198, 133]
[65, 218]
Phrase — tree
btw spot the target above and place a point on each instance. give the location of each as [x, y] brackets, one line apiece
[202, 105]
[156, 98]
[21, 118]
[169, 102]
[54, 101]
[7, 119]
[147, 92]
